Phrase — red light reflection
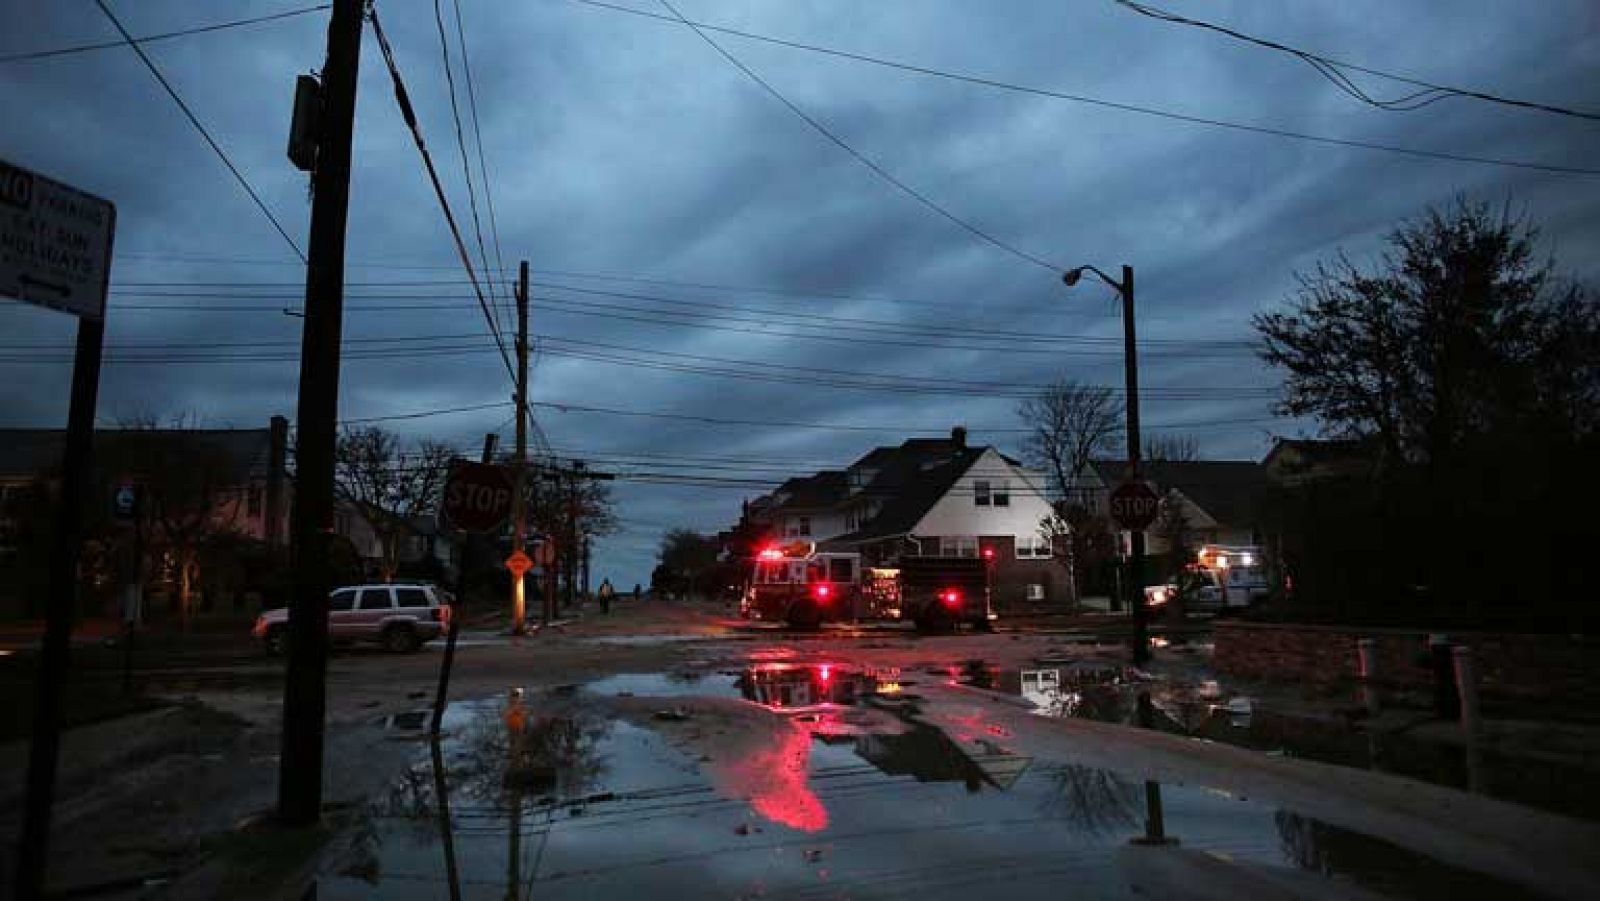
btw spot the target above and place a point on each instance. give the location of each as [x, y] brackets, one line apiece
[773, 778]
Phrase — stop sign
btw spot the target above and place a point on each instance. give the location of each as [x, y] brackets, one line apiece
[477, 497]
[1134, 505]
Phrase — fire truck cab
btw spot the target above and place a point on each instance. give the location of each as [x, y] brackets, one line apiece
[803, 587]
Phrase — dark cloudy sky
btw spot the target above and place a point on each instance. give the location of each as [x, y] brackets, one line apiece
[624, 146]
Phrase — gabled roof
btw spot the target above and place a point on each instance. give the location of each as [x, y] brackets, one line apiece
[1327, 454]
[813, 492]
[1229, 491]
[909, 490]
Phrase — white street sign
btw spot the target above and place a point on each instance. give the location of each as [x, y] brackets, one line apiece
[55, 243]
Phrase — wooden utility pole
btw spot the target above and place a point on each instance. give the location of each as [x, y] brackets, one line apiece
[305, 682]
[1130, 366]
[519, 503]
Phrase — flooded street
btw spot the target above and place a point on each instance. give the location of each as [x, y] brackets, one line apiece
[802, 779]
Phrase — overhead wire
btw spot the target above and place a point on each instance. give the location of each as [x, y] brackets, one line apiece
[152, 38]
[1138, 109]
[860, 157]
[200, 127]
[466, 166]
[879, 428]
[1334, 71]
[410, 116]
[617, 354]
[477, 137]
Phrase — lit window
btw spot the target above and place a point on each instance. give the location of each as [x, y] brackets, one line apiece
[1035, 591]
[980, 494]
[958, 546]
[1035, 547]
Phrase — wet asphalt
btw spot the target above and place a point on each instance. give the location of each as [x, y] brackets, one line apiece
[790, 778]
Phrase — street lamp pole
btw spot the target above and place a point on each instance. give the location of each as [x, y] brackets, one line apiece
[1130, 365]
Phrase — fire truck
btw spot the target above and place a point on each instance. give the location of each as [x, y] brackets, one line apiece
[803, 587]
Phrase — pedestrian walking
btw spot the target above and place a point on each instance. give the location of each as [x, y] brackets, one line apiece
[606, 591]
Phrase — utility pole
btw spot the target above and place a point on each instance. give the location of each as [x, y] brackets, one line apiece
[305, 682]
[1130, 364]
[573, 555]
[519, 502]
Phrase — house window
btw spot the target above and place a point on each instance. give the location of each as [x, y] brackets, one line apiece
[958, 546]
[980, 494]
[1035, 591]
[1035, 547]
[805, 525]
[1001, 495]
[252, 501]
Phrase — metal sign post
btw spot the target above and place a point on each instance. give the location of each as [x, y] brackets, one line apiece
[55, 251]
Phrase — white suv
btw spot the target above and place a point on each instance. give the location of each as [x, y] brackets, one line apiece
[400, 617]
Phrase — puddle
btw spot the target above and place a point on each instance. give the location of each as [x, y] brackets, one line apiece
[1108, 692]
[661, 785]
[648, 641]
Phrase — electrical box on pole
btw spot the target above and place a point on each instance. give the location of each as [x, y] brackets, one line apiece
[306, 125]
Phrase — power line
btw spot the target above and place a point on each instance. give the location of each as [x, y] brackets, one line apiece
[860, 157]
[466, 167]
[1334, 71]
[410, 116]
[152, 38]
[845, 427]
[609, 276]
[477, 136]
[759, 321]
[195, 121]
[1106, 104]
[424, 414]
[621, 355]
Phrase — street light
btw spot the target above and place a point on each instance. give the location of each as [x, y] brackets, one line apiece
[1130, 363]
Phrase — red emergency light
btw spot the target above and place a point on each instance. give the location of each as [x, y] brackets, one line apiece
[951, 597]
[823, 591]
[771, 553]
[988, 553]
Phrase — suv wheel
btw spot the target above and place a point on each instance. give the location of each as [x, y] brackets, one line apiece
[276, 641]
[400, 640]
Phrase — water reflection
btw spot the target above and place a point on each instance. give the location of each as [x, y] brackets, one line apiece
[492, 789]
[1321, 848]
[820, 698]
[1095, 802]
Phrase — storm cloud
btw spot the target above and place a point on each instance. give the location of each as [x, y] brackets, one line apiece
[627, 156]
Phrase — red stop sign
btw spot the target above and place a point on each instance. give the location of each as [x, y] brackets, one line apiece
[1134, 505]
[477, 497]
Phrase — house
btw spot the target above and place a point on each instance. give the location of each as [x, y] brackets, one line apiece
[1297, 461]
[197, 487]
[807, 508]
[1221, 500]
[253, 499]
[929, 497]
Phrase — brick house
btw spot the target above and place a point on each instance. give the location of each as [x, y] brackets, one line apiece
[245, 470]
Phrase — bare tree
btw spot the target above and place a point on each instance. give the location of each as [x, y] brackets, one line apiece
[387, 486]
[1070, 424]
[193, 492]
[1171, 449]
